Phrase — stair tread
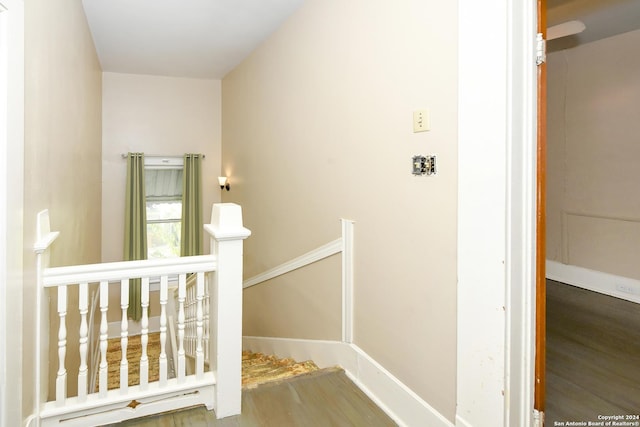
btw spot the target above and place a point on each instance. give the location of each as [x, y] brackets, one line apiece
[258, 368]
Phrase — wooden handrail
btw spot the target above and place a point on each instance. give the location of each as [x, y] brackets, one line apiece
[310, 257]
[343, 245]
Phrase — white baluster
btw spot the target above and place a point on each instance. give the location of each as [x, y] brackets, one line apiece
[187, 320]
[163, 330]
[61, 380]
[191, 318]
[104, 329]
[206, 323]
[182, 291]
[124, 336]
[199, 325]
[144, 339]
[83, 303]
[194, 314]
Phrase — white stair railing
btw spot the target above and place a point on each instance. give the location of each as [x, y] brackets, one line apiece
[344, 246]
[218, 387]
[186, 301]
[93, 339]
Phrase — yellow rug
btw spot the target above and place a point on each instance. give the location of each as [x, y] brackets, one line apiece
[258, 368]
[134, 352]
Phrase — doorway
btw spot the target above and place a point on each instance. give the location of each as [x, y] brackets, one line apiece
[589, 216]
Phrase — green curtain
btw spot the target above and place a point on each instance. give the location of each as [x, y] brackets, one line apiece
[191, 232]
[135, 227]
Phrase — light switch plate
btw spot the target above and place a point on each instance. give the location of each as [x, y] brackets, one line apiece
[421, 121]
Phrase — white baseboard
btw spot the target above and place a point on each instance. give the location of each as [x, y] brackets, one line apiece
[404, 406]
[597, 281]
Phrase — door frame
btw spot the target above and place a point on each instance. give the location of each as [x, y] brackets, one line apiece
[497, 126]
[541, 222]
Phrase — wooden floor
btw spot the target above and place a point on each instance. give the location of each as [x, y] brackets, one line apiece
[322, 398]
[593, 355]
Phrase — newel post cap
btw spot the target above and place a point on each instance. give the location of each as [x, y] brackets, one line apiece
[226, 222]
[44, 236]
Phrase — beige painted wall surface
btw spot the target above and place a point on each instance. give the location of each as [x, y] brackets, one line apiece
[62, 154]
[315, 312]
[317, 125]
[165, 116]
[11, 211]
[594, 122]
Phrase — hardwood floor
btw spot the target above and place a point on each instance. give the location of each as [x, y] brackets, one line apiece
[593, 356]
[322, 398]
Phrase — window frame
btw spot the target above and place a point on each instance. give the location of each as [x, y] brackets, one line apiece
[161, 163]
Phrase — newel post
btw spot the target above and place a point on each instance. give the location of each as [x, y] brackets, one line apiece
[44, 239]
[227, 235]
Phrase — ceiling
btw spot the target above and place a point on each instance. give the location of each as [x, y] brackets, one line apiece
[602, 18]
[208, 38]
[183, 38]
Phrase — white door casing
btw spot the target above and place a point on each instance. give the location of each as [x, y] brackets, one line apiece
[496, 213]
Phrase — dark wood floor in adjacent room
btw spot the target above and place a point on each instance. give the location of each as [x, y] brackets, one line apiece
[593, 355]
[322, 398]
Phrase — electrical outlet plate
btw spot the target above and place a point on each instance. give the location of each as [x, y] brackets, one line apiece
[423, 165]
[627, 289]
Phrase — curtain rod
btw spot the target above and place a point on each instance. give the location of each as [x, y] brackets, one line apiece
[125, 155]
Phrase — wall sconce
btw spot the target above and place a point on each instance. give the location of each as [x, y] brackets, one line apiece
[222, 180]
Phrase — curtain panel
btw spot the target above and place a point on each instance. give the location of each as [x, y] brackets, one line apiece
[192, 227]
[135, 227]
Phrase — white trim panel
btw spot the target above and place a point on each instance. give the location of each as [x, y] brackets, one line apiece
[483, 150]
[404, 406]
[592, 280]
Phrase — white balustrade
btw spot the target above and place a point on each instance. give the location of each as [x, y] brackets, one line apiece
[192, 302]
[124, 336]
[198, 332]
[199, 325]
[144, 338]
[192, 320]
[104, 328]
[83, 302]
[206, 319]
[163, 330]
[182, 294]
[61, 381]
[93, 339]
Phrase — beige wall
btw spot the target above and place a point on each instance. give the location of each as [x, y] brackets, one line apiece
[161, 116]
[62, 151]
[593, 205]
[11, 210]
[317, 125]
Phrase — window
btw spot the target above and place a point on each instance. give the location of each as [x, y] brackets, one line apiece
[163, 187]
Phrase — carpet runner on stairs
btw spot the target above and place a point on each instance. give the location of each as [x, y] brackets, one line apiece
[257, 368]
[134, 352]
